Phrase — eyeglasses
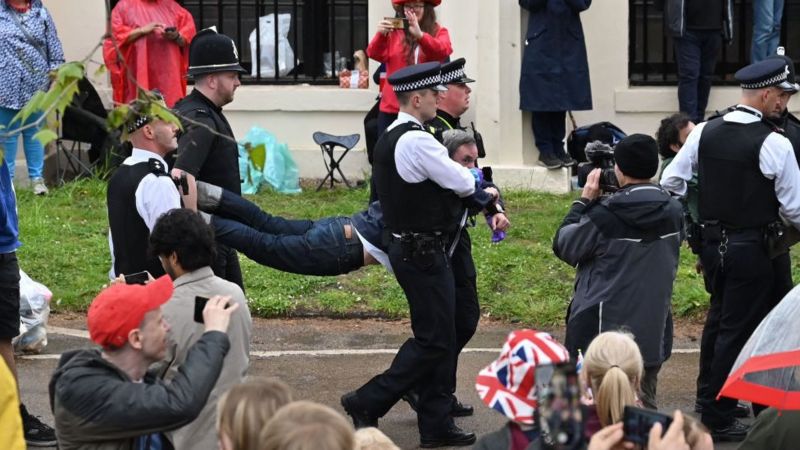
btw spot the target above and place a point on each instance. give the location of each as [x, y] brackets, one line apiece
[414, 6]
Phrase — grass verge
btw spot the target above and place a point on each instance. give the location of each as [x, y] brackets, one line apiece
[65, 246]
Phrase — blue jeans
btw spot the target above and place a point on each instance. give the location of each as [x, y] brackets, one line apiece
[696, 54]
[298, 246]
[34, 152]
[767, 16]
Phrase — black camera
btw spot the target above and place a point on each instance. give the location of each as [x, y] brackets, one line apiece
[600, 156]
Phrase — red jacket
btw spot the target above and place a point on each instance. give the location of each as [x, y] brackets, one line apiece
[391, 50]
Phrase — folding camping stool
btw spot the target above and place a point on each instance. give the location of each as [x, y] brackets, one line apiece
[328, 143]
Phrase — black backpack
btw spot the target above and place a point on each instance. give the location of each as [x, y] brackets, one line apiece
[605, 132]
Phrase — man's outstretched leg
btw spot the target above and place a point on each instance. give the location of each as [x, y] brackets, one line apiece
[216, 200]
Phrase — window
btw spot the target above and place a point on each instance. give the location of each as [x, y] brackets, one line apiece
[306, 29]
[651, 60]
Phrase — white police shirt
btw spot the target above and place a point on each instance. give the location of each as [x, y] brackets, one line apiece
[418, 156]
[155, 195]
[776, 161]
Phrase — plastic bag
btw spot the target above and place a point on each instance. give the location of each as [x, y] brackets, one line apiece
[34, 310]
[263, 159]
[267, 46]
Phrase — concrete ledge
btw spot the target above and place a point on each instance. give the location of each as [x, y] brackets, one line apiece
[532, 177]
[302, 98]
[665, 99]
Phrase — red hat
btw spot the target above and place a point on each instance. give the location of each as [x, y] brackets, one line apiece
[120, 308]
[403, 2]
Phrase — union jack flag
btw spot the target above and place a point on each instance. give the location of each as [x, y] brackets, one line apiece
[508, 384]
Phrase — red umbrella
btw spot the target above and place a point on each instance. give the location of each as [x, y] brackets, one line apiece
[767, 370]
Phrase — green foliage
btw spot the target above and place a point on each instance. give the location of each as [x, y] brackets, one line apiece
[63, 89]
[66, 247]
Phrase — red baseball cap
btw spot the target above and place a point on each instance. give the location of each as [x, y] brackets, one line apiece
[403, 2]
[120, 308]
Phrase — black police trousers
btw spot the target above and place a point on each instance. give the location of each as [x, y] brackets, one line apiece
[745, 285]
[424, 361]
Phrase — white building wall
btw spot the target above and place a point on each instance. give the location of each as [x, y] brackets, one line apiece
[489, 34]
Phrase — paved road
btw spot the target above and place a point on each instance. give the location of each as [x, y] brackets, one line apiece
[294, 351]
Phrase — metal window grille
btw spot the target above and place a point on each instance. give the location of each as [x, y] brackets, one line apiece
[320, 30]
[651, 59]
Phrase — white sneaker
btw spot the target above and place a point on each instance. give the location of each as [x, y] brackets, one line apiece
[38, 186]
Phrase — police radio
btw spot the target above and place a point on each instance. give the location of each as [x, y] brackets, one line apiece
[478, 141]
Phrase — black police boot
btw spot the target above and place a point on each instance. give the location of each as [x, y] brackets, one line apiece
[453, 437]
[733, 432]
[742, 411]
[361, 418]
[412, 398]
[461, 410]
[457, 410]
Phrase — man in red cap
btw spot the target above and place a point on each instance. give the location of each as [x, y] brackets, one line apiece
[106, 398]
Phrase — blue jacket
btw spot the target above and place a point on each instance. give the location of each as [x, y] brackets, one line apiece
[555, 71]
[24, 65]
[9, 228]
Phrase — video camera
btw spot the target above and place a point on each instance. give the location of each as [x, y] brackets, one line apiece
[600, 156]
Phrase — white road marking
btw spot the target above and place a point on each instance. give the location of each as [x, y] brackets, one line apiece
[281, 353]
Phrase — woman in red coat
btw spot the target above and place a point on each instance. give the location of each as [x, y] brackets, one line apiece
[423, 40]
[153, 37]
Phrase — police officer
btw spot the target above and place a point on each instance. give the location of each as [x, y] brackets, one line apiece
[786, 120]
[748, 181]
[421, 190]
[140, 191]
[454, 102]
[207, 150]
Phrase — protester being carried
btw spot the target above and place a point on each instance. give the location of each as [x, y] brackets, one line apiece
[185, 246]
[307, 425]
[107, 399]
[327, 246]
[245, 409]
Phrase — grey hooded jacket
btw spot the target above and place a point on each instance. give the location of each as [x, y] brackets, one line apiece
[626, 250]
[98, 407]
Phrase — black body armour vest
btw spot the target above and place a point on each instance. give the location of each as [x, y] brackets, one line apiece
[129, 233]
[411, 207]
[732, 188]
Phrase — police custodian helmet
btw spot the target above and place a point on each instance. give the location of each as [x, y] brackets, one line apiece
[212, 52]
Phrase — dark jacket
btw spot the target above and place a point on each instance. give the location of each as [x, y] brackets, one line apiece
[675, 18]
[98, 407]
[555, 71]
[501, 440]
[625, 249]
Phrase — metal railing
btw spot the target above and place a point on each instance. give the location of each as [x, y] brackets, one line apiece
[651, 59]
[316, 28]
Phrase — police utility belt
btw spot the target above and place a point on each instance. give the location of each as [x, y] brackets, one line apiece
[776, 237]
[419, 243]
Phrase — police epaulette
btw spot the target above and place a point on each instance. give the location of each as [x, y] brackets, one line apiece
[156, 167]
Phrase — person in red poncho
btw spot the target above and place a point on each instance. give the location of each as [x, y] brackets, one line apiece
[422, 41]
[153, 37]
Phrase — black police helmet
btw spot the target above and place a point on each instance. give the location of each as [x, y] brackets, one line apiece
[213, 52]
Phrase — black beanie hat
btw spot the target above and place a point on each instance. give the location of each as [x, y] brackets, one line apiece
[637, 156]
